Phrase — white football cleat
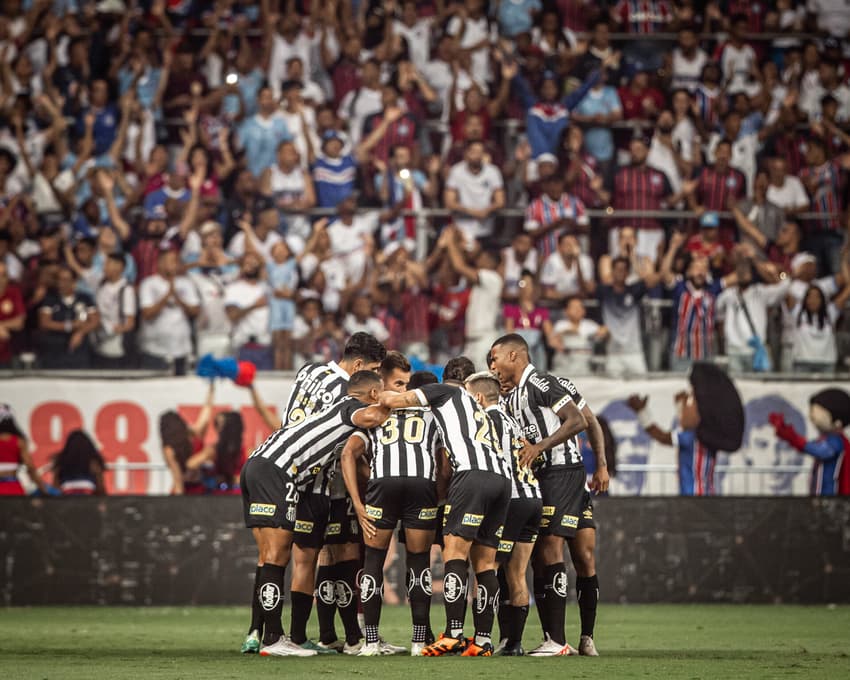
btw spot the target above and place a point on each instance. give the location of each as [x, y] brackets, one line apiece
[370, 649]
[388, 649]
[286, 647]
[551, 648]
[500, 646]
[586, 647]
[352, 650]
[416, 648]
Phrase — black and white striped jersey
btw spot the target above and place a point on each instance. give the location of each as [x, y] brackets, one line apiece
[404, 445]
[307, 449]
[468, 432]
[534, 403]
[523, 482]
[317, 387]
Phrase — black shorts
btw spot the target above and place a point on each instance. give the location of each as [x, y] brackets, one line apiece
[438, 528]
[567, 506]
[521, 525]
[343, 526]
[476, 506]
[413, 500]
[311, 520]
[269, 495]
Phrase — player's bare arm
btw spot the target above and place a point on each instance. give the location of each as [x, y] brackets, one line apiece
[352, 452]
[572, 422]
[396, 400]
[638, 404]
[371, 416]
[444, 474]
[599, 481]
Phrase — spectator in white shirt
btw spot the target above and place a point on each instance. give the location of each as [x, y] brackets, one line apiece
[567, 271]
[474, 191]
[168, 303]
[352, 238]
[575, 337]
[264, 236]
[518, 257]
[116, 305]
[814, 349]
[247, 304]
[416, 31]
[288, 40]
[361, 103]
[360, 319]
[784, 190]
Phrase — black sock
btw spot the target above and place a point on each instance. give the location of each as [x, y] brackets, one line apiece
[256, 609]
[505, 613]
[346, 599]
[372, 590]
[486, 604]
[556, 601]
[302, 605]
[270, 598]
[454, 594]
[326, 602]
[587, 593]
[539, 584]
[520, 615]
[419, 593]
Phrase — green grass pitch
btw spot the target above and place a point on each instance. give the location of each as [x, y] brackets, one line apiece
[640, 641]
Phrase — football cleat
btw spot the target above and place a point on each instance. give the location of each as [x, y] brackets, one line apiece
[551, 648]
[370, 649]
[352, 650]
[586, 647]
[500, 646]
[318, 647]
[388, 649]
[445, 645]
[513, 650]
[335, 646]
[286, 647]
[416, 648]
[473, 649]
[252, 643]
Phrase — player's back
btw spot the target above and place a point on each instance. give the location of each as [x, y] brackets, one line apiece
[317, 386]
[405, 445]
[523, 482]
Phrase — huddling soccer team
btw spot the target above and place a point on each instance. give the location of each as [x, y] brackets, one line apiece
[487, 465]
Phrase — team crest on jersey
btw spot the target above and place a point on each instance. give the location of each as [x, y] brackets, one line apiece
[472, 520]
[569, 521]
[326, 592]
[559, 583]
[334, 529]
[428, 513]
[506, 546]
[269, 596]
[374, 513]
[368, 587]
[262, 509]
[452, 587]
[548, 510]
[344, 594]
[303, 527]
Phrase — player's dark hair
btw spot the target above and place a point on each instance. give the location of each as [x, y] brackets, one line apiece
[458, 370]
[362, 379]
[394, 360]
[364, 346]
[421, 378]
[228, 448]
[513, 339]
[174, 432]
[76, 457]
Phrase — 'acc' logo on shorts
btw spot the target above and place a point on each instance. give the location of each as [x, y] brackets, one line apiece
[471, 520]
[569, 521]
[262, 509]
[373, 512]
[334, 529]
[428, 513]
[506, 546]
[548, 510]
[303, 527]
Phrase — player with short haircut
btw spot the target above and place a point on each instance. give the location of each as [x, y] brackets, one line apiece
[551, 413]
[319, 386]
[478, 496]
[522, 522]
[272, 481]
[402, 486]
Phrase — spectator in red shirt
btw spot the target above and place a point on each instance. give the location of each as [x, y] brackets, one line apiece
[640, 101]
[12, 315]
[709, 244]
[391, 127]
[716, 185]
[643, 17]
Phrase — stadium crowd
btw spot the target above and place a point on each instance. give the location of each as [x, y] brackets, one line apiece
[265, 179]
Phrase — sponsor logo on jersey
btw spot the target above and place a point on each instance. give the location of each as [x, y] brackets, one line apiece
[373, 512]
[539, 382]
[472, 520]
[269, 596]
[530, 431]
[334, 529]
[548, 510]
[262, 509]
[568, 386]
[506, 546]
[428, 513]
[303, 527]
[569, 521]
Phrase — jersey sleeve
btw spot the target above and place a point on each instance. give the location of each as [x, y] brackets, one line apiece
[435, 395]
[547, 390]
[348, 408]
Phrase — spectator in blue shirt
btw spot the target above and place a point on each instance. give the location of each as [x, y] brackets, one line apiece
[517, 16]
[261, 134]
[106, 118]
[599, 109]
[334, 173]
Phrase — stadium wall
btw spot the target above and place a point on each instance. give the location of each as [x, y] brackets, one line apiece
[195, 551]
[123, 416]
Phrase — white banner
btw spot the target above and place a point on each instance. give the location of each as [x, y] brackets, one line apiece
[123, 417]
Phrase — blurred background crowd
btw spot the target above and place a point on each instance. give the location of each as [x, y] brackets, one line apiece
[631, 185]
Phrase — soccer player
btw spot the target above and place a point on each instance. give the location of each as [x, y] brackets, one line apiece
[319, 386]
[272, 481]
[522, 522]
[551, 413]
[402, 486]
[478, 497]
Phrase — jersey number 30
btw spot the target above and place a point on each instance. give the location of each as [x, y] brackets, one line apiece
[413, 430]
